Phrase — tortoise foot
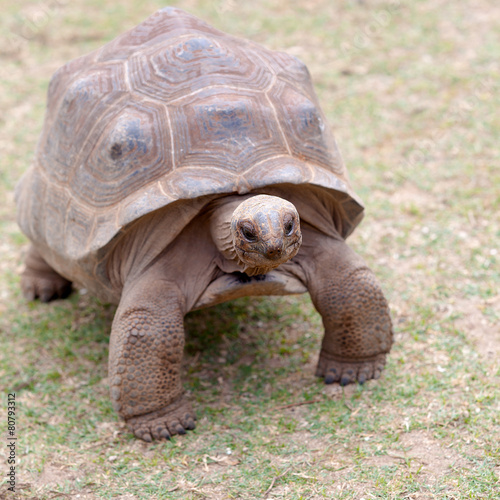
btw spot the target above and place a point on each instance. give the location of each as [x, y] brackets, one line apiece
[177, 418]
[44, 285]
[347, 371]
[39, 280]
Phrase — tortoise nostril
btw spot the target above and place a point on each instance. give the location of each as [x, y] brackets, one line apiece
[274, 251]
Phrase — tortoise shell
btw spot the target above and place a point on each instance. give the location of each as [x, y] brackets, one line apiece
[171, 110]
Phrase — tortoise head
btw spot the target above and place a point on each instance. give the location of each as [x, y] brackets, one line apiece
[266, 233]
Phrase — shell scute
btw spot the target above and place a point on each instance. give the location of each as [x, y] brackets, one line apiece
[30, 197]
[71, 120]
[305, 128]
[147, 200]
[160, 27]
[77, 228]
[56, 208]
[229, 131]
[278, 170]
[192, 63]
[132, 149]
[191, 183]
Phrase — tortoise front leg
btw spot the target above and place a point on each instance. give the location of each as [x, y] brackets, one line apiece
[146, 348]
[356, 318]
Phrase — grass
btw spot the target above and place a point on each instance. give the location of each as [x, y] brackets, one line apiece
[412, 92]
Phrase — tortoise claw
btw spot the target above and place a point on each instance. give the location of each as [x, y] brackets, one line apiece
[347, 372]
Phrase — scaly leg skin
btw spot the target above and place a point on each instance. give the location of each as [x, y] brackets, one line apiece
[358, 327]
[146, 348]
[40, 280]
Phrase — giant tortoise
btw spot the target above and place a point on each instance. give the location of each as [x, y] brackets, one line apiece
[180, 167]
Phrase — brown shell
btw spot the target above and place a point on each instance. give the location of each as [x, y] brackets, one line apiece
[171, 110]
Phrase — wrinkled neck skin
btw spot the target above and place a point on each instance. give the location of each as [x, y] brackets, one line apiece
[220, 228]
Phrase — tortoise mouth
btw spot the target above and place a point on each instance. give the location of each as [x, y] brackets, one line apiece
[267, 256]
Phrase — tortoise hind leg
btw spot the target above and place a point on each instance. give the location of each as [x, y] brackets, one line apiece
[40, 280]
[358, 328]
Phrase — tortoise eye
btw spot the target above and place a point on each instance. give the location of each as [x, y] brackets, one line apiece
[248, 233]
[289, 227]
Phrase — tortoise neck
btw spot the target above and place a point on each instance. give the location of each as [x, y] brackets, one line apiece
[220, 229]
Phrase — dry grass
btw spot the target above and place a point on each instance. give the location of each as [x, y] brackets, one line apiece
[411, 90]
